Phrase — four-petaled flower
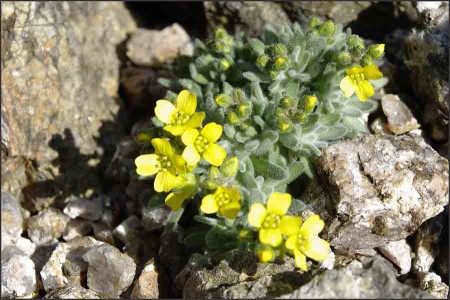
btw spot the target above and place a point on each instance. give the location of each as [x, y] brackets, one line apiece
[181, 117]
[164, 162]
[357, 81]
[306, 242]
[186, 188]
[203, 144]
[225, 201]
[272, 221]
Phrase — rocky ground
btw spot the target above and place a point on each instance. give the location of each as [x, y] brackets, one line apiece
[79, 81]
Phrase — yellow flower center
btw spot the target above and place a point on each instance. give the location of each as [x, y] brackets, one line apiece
[271, 221]
[163, 163]
[179, 118]
[201, 144]
[222, 199]
[303, 242]
[357, 78]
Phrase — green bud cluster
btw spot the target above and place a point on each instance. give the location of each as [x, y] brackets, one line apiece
[222, 41]
[361, 55]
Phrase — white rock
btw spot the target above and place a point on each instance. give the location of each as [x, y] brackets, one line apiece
[18, 275]
[89, 209]
[398, 252]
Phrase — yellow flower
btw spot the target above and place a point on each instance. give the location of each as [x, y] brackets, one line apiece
[181, 117]
[357, 81]
[265, 254]
[225, 201]
[306, 242]
[185, 189]
[164, 162]
[271, 220]
[203, 144]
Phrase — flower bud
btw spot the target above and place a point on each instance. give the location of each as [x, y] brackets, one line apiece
[223, 100]
[286, 102]
[309, 102]
[211, 185]
[367, 60]
[214, 172]
[244, 110]
[344, 58]
[273, 74]
[280, 112]
[278, 50]
[298, 116]
[220, 33]
[354, 41]
[330, 40]
[224, 64]
[230, 167]
[327, 29]
[219, 46]
[144, 137]
[238, 95]
[284, 124]
[262, 61]
[356, 53]
[314, 22]
[281, 63]
[246, 235]
[233, 118]
[265, 254]
[376, 51]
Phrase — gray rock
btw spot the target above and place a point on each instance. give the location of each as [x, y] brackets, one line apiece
[76, 228]
[89, 209]
[128, 230]
[379, 126]
[376, 279]
[147, 286]
[110, 272]
[154, 218]
[18, 274]
[434, 13]
[378, 188]
[399, 117]
[433, 284]
[54, 77]
[72, 292]
[47, 226]
[155, 47]
[238, 16]
[427, 243]
[122, 162]
[103, 232]
[399, 253]
[66, 264]
[41, 256]
[23, 244]
[11, 215]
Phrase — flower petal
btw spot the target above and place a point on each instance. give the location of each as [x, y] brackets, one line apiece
[209, 205]
[196, 120]
[354, 70]
[347, 86]
[212, 132]
[191, 156]
[186, 102]
[162, 146]
[164, 182]
[257, 214]
[179, 163]
[215, 155]
[146, 164]
[290, 225]
[312, 226]
[318, 249]
[175, 200]
[175, 130]
[164, 111]
[364, 90]
[189, 136]
[265, 254]
[372, 72]
[271, 237]
[230, 210]
[291, 242]
[278, 203]
[300, 260]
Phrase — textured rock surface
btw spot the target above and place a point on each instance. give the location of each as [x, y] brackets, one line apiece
[11, 216]
[146, 286]
[155, 47]
[154, 218]
[376, 279]
[238, 16]
[128, 229]
[89, 209]
[433, 284]
[399, 117]
[24, 245]
[76, 228]
[66, 264]
[47, 226]
[18, 274]
[53, 74]
[399, 253]
[378, 188]
[72, 292]
[110, 272]
[122, 162]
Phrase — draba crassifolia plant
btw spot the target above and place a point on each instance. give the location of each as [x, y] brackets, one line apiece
[249, 116]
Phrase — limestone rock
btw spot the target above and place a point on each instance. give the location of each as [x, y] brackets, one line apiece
[238, 16]
[146, 286]
[11, 216]
[66, 264]
[89, 209]
[156, 47]
[72, 292]
[378, 188]
[76, 228]
[47, 226]
[433, 284]
[399, 117]
[26, 246]
[18, 274]
[110, 272]
[399, 253]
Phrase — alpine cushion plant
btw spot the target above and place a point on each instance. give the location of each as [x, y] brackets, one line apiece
[250, 117]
